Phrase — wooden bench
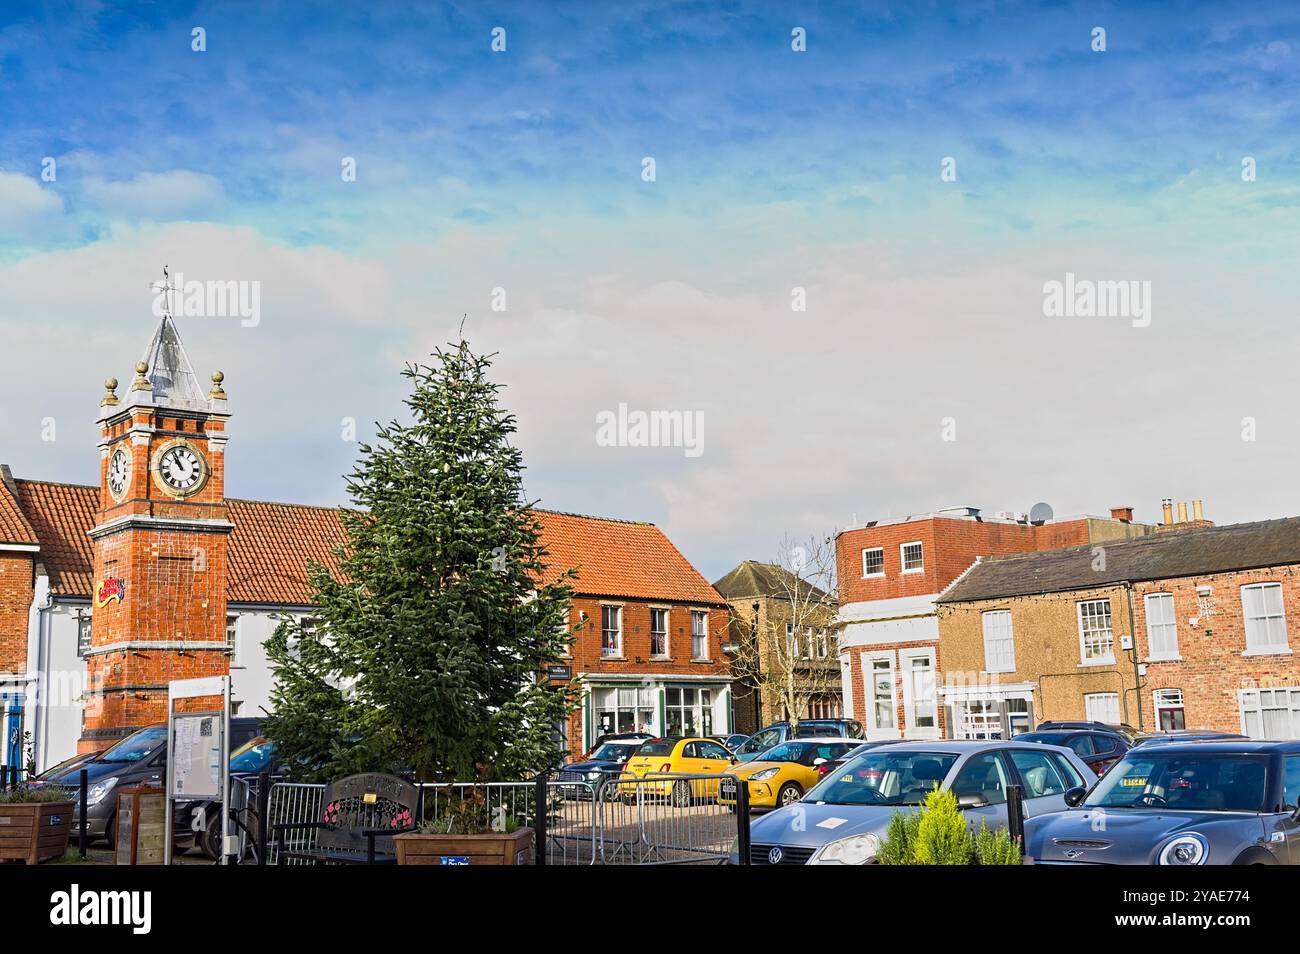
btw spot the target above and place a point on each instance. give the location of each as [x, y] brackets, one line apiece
[360, 815]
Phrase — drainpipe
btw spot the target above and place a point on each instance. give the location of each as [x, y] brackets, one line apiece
[758, 668]
[41, 730]
[1133, 654]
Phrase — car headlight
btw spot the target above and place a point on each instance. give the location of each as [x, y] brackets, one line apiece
[1189, 849]
[97, 792]
[854, 850]
[594, 774]
[764, 775]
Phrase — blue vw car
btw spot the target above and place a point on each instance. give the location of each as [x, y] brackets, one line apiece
[1221, 802]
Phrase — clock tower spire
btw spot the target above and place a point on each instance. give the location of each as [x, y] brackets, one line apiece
[160, 541]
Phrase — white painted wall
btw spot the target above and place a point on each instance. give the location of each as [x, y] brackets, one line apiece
[57, 675]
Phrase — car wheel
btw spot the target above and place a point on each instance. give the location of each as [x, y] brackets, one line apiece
[681, 794]
[789, 794]
[210, 839]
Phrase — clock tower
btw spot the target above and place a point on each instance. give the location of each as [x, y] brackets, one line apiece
[160, 540]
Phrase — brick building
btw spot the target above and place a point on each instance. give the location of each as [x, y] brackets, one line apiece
[110, 590]
[765, 600]
[1178, 630]
[649, 651]
[891, 572]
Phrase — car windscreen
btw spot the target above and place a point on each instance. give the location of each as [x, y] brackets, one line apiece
[136, 745]
[1201, 782]
[253, 756]
[657, 747]
[884, 777]
[788, 752]
[615, 751]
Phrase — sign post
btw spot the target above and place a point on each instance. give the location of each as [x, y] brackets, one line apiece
[198, 753]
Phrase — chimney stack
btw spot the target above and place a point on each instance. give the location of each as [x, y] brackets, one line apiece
[1167, 508]
[1122, 513]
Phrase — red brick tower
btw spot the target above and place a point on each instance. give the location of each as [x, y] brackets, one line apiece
[160, 540]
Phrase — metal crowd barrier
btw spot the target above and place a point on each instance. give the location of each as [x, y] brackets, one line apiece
[654, 820]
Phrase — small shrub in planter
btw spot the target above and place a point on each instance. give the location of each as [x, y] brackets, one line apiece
[35, 822]
[938, 835]
[466, 833]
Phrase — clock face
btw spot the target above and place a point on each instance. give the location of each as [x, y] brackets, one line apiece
[181, 469]
[119, 473]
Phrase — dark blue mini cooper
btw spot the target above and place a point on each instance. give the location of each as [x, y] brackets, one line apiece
[1225, 802]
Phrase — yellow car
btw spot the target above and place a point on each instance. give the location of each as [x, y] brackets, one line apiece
[675, 756]
[782, 774]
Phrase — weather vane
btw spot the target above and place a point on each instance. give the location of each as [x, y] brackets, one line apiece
[166, 288]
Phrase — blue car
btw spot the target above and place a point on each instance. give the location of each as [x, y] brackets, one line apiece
[604, 762]
[1221, 802]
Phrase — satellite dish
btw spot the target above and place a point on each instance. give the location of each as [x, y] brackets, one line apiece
[1040, 513]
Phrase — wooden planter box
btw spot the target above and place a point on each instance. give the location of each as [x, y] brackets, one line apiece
[417, 848]
[34, 831]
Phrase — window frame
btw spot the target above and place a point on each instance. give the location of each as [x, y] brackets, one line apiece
[1293, 708]
[907, 659]
[1268, 649]
[902, 556]
[1108, 660]
[232, 638]
[1153, 655]
[667, 631]
[871, 700]
[704, 615]
[1102, 695]
[1009, 639]
[881, 572]
[1158, 706]
[617, 650]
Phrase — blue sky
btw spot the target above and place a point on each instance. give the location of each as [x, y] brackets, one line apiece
[775, 169]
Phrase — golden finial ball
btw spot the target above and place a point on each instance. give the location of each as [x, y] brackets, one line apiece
[217, 377]
[141, 367]
[110, 384]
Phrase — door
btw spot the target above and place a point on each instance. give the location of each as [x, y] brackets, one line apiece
[1041, 780]
[713, 759]
[981, 783]
[1291, 796]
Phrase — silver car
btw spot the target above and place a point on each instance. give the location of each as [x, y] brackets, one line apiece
[1218, 802]
[842, 820]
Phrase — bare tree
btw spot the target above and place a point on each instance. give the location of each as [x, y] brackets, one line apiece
[786, 644]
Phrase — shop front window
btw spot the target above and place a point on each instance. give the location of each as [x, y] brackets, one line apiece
[624, 709]
[689, 710]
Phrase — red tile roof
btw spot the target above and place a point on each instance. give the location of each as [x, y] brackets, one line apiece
[621, 558]
[62, 514]
[272, 545]
[14, 527]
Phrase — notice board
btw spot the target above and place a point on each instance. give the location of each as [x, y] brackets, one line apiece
[195, 755]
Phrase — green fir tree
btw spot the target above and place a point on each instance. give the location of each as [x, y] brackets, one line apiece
[426, 653]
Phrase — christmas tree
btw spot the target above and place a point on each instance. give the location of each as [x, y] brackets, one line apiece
[424, 654]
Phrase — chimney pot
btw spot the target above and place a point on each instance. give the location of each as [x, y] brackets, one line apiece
[1197, 513]
[1122, 513]
[1182, 511]
[1167, 509]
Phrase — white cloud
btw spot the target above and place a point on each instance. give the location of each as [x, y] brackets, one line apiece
[157, 196]
[810, 417]
[26, 207]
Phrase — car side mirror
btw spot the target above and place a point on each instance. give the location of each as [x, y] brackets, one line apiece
[971, 800]
[1074, 796]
